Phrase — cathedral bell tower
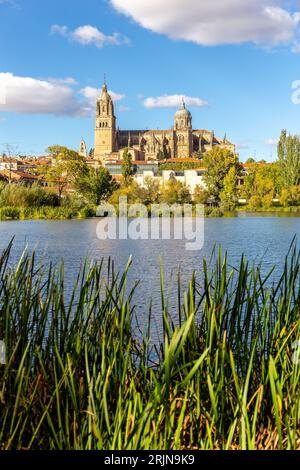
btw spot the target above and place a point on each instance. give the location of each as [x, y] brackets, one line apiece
[183, 131]
[105, 130]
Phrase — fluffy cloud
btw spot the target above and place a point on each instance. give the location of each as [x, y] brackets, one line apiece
[89, 35]
[172, 101]
[51, 96]
[262, 22]
[35, 96]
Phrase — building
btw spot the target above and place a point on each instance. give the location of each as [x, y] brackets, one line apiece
[82, 149]
[18, 176]
[179, 142]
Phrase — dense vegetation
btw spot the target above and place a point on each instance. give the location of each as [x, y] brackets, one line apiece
[73, 190]
[78, 374]
[18, 201]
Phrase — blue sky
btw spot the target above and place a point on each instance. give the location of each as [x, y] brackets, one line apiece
[53, 56]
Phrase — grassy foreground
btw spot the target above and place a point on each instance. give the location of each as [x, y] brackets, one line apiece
[77, 377]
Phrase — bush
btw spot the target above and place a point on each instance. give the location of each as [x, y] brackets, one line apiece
[86, 212]
[214, 212]
[9, 213]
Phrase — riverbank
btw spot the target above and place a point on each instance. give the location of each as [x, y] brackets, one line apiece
[45, 213]
[79, 375]
[67, 213]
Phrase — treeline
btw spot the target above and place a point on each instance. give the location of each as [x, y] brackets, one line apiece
[276, 184]
[73, 190]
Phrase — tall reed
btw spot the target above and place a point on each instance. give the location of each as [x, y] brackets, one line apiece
[77, 376]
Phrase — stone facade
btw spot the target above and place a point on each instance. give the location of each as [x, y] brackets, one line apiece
[82, 149]
[180, 142]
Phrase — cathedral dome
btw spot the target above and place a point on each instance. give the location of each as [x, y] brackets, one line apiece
[182, 112]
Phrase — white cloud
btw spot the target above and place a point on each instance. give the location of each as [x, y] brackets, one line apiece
[35, 96]
[63, 81]
[90, 35]
[271, 142]
[262, 22]
[173, 101]
[51, 96]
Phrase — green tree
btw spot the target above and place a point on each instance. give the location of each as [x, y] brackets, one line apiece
[97, 185]
[284, 197]
[201, 195]
[290, 196]
[289, 158]
[218, 162]
[127, 170]
[229, 194]
[175, 192]
[150, 192]
[67, 167]
[250, 160]
[161, 155]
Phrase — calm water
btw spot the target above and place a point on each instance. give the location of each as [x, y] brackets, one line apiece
[260, 238]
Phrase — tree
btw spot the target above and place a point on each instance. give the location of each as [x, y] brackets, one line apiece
[255, 202]
[97, 185]
[150, 192]
[250, 160]
[11, 151]
[200, 195]
[290, 196]
[218, 162]
[127, 170]
[262, 181]
[284, 197]
[289, 158]
[228, 195]
[161, 155]
[175, 192]
[67, 167]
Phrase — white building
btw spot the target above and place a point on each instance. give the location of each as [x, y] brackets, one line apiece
[190, 178]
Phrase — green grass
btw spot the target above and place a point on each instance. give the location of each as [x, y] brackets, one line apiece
[45, 212]
[79, 377]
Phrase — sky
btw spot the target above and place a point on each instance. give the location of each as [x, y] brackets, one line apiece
[236, 62]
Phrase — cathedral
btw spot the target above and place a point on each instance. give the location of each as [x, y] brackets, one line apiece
[179, 142]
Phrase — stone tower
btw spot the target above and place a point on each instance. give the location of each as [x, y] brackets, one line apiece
[105, 131]
[183, 131]
[82, 149]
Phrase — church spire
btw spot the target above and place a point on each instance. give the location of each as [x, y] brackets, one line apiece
[104, 86]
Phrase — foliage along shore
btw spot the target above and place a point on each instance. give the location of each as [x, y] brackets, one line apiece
[75, 189]
[78, 374]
